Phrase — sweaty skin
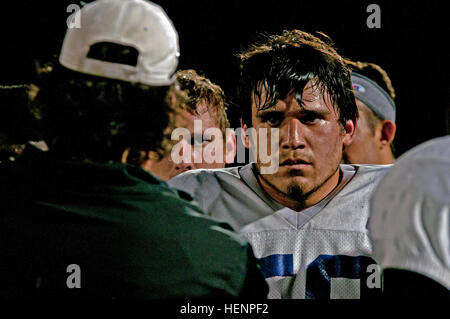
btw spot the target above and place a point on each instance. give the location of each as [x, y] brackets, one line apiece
[310, 146]
[166, 168]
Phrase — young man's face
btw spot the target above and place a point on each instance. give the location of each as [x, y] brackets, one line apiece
[310, 142]
[166, 168]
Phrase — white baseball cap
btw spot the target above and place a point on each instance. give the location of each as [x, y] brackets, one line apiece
[134, 23]
[409, 220]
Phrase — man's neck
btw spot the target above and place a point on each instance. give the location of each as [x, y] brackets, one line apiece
[310, 199]
[386, 157]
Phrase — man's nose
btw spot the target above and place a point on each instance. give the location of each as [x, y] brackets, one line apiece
[184, 166]
[292, 134]
[187, 155]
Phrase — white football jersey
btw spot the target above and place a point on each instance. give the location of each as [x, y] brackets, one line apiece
[321, 252]
[410, 213]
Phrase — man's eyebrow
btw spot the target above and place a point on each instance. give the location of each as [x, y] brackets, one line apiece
[271, 111]
[322, 112]
[303, 111]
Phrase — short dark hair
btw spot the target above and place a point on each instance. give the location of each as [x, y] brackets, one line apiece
[95, 118]
[281, 63]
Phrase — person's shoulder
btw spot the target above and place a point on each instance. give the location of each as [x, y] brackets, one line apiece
[368, 170]
[216, 173]
[365, 177]
[196, 178]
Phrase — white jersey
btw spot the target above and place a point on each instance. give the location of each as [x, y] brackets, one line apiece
[321, 252]
[410, 213]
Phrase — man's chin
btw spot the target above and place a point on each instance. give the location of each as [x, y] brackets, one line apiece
[297, 184]
[286, 172]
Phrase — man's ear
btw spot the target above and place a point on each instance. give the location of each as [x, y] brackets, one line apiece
[388, 129]
[244, 136]
[349, 130]
[124, 158]
[147, 158]
[230, 146]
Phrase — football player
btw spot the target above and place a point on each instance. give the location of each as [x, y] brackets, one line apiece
[306, 220]
[373, 141]
[201, 109]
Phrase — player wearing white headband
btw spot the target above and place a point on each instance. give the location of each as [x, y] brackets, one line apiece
[375, 132]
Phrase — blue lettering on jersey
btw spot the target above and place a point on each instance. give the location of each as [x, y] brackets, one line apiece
[325, 267]
[277, 265]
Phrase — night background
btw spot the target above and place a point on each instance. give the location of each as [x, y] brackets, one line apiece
[412, 46]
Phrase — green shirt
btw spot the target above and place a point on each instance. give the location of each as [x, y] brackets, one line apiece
[129, 234]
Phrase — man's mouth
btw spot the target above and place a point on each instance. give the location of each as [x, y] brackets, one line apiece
[295, 163]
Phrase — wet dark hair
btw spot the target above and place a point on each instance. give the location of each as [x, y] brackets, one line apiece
[94, 118]
[283, 64]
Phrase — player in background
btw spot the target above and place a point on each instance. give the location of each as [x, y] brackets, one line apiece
[78, 223]
[19, 125]
[410, 223]
[202, 105]
[306, 220]
[375, 132]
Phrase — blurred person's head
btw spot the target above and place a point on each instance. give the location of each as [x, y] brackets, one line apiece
[299, 86]
[19, 122]
[110, 90]
[202, 107]
[373, 141]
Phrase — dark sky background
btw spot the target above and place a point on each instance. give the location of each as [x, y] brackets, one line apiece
[412, 45]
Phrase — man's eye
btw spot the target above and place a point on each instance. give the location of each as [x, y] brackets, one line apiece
[309, 119]
[273, 120]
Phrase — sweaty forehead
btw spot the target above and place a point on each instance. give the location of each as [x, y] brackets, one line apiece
[185, 118]
[317, 96]
[313, 98]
